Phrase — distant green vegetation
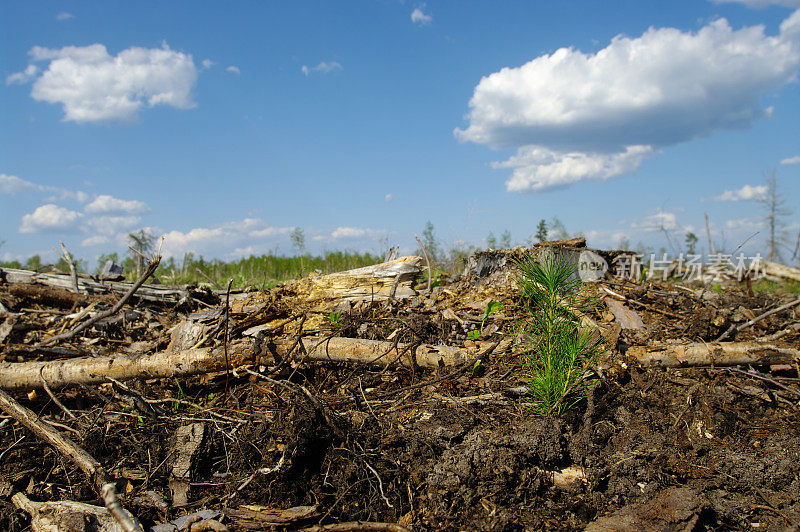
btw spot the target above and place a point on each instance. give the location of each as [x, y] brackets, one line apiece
[784, 286]
[262, 271]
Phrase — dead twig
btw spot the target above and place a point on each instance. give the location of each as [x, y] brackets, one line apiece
[225, 340]
[151, 268]
[126, 523]
[262, 471]
[771, 509]
[427, 261]
[357, 526]
[757, 375]
[58, 403]
[758, 318]
[79, 457]
[210, 280]
[64, 254]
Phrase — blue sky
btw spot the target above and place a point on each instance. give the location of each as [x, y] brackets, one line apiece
[225, 125]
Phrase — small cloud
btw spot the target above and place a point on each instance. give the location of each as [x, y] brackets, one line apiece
[761, 4]
[348, 232]
[109, 225]
[11, 185]
[64, 16]
[95, 86]
[660, 221]
[233, 69]
[746, 193]
[325, 67]
[743, 223]
[791, 160]
[355, 232]
[105, 204]
[236, 235]
[270, 231]
[419, 17]
[207, 63]
[25, 76]
[49, 218]
[387, 198]
[94, 241]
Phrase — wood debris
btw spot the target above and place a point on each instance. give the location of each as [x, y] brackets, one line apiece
[367, 400]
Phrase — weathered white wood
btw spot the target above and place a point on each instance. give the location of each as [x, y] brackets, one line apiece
[380, 281]
[89, 370]
[627, 318]
[382, 353]
[718, 354]
[149, 292]
[773, 269]
[85, 370]
[60, 516]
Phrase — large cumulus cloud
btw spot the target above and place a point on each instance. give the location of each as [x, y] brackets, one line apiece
[575, 116]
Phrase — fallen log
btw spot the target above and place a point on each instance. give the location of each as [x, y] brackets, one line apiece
[387, 280]
[149, 292]
[57, 516]
[773, 269]
[151, 268]
[89, 370]
[716, 354]
[381, 353]
[50, 296]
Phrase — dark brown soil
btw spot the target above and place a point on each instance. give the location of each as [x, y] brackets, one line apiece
[657, 449]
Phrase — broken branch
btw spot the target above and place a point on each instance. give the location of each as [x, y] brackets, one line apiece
[151, 268]
[716, 354]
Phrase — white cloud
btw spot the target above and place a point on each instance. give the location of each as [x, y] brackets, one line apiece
[59, 194]
[348, 232]
[49, 218]
[270, 231]
[574, 116]
[324, 67]
[761, 4]
[110, 225]
[231, 235]
[64, 16]
[791, 160]
[94, 241]
[659, 221]
[105, 204]
[23, 77]
[94, 86]
[744, 223]
[745, 193]
[207, 63]
[11, 185]
[388, 197]
[233, 69]
[538, 168]
[356, 232]
[419, 17]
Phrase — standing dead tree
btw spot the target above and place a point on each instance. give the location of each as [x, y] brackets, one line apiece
[141, 243]
[775, 213]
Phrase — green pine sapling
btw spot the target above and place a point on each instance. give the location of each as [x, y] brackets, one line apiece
[556, 352]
